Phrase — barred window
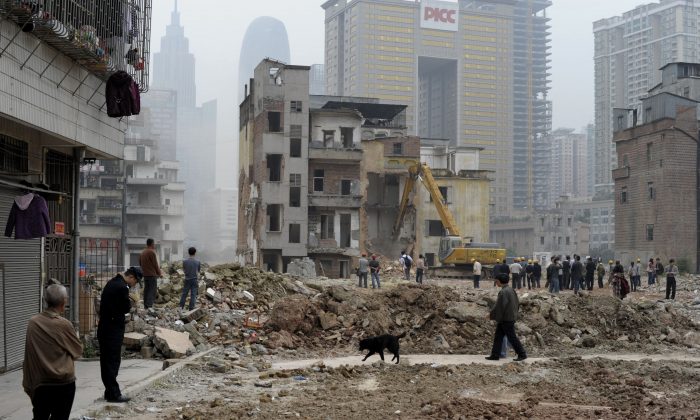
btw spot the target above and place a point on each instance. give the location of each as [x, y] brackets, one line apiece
[14, 155]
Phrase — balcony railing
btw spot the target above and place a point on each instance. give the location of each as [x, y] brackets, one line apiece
[103, 36]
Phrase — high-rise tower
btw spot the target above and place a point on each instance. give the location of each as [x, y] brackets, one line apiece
[474, 73]
[174, 69]
[629, 53]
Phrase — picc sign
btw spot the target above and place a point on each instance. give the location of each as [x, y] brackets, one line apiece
[440, 15]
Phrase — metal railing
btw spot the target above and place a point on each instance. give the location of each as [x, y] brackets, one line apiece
[103, 36]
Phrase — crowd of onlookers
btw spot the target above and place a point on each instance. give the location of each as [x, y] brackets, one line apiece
[574, 274]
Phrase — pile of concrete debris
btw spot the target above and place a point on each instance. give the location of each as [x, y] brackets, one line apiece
[232, 305]
[439, 320]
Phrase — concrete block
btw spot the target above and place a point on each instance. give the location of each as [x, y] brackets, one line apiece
[195, 336]
[133, 340]
[302, 268]
[173, 344]
[193, 315]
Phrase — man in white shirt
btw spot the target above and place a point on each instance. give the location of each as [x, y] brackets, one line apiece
[515, 270]
[477, 272]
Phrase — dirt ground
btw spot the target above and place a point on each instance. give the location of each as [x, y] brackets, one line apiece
[238, 381]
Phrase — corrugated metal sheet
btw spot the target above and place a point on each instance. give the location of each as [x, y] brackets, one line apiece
[21, 267]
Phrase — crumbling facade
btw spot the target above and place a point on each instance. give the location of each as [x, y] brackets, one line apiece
[320, 176]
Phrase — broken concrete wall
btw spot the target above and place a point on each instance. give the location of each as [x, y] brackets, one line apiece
[383, 181]
[304, 267]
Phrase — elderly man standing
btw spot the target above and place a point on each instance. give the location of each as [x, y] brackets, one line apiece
[51, 348]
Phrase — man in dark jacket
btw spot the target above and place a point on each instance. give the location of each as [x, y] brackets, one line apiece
[576, 274]
[505, 313]
[537, 273]
[566, 280]
[590, 273]
[500, 268]
[114, 304]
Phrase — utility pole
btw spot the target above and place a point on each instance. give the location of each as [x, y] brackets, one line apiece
[124, 248]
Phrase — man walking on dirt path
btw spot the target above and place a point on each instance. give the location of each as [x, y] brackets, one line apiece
[362, 271]
[477, 273]
[374, 272]
[151, 271]
[505, 313]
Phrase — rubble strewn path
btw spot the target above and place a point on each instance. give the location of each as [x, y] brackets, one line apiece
[467, 359]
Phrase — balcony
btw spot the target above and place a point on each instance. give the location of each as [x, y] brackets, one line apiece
[145, 210]
[147, 181]
[94, 219]
[621, 173]
[174, 210]
[84, 31]
[328, 200]
[175, 186]
[340, 154]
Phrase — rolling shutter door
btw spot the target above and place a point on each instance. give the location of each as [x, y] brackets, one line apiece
[20, 270]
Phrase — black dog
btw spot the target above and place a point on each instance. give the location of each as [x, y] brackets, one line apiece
[381, 342]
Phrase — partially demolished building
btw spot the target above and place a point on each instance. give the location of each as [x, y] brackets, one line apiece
[321, 176]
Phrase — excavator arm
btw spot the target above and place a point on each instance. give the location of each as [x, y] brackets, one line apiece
[448, 221]
[407, 189]
[424, 173]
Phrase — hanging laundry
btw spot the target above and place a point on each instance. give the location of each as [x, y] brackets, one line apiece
[123, 97]
[29, 218]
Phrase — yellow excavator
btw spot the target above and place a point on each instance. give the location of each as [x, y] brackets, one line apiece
[456, 253]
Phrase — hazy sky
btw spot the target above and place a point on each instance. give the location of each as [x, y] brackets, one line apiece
[215, 29]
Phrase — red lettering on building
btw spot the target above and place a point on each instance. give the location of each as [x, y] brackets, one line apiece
[440, 15]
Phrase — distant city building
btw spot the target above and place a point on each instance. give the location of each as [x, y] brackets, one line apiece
[569, 163]
[174, 65]
[317, 79]
[154, 205]
[162, 108]
[589, 130]
[266, 37]
[174, 70]
[220, 211]
[480, 79]
[629, 51]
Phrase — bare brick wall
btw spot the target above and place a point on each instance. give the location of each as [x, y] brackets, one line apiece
[411, 146]
[672, 168]
[333, 174]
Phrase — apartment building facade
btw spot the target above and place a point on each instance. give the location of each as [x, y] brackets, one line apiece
[478, 79]
[154, 205]
[52, 122]
[629, 52]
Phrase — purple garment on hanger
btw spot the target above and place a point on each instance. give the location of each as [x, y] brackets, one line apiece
[29, 218]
